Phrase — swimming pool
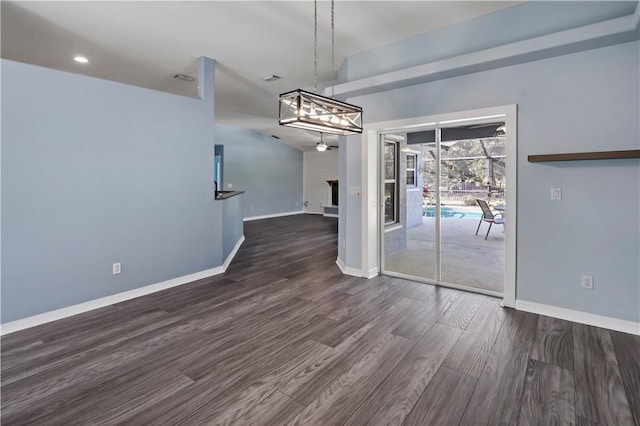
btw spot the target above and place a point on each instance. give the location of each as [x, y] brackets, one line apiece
[458, 212]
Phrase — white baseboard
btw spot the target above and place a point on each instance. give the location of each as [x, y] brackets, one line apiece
[233, 253]
[340, 264]
[269, 216]
[347, 270]
[21, 324]
[373, 272]
[580, 317]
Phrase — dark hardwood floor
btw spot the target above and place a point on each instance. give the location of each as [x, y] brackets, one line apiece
[284, 338]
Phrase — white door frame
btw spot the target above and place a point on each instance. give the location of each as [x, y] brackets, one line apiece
[370, 190]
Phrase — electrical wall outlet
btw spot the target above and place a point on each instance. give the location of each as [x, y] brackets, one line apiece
[587, 281]
[117, 268]
[229, 185]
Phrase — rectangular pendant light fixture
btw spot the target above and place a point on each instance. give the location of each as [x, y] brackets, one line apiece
[310, 111]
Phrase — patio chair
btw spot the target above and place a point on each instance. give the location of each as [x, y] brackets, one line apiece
[488, 216]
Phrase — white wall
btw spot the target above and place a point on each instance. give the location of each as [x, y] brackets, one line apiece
[587, 101]
[318, 168]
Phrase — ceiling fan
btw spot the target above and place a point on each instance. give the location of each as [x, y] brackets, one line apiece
[321, 146]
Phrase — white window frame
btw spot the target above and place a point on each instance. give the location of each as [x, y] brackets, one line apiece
[394, 181]
[412, 169]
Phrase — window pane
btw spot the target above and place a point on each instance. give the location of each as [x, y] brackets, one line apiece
[411, 161]
[389, 202]
[389, 160]
[411, 178]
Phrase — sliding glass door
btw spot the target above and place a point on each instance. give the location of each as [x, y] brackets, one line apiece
[435, 181]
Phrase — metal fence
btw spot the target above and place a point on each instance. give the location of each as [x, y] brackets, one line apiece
[466, 196]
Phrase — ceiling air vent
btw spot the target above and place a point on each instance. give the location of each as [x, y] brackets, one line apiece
[184, 77]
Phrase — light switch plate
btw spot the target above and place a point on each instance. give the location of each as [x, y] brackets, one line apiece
[556, 194]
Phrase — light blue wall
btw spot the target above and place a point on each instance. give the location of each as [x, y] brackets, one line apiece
[587, 101]
[350, 211]
[346, 209]
[269, 171]
[520, 22]
[96, 172]
[232, 223]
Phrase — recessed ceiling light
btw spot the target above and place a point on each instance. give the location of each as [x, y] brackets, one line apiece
[271, 77]
[81, 59]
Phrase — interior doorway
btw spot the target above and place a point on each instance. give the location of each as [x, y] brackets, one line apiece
[432, 176]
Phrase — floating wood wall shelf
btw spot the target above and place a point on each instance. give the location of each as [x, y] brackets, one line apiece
[602, 155]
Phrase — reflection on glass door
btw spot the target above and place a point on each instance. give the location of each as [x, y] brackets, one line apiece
[409, 234]
[472, 175]
[456, 171]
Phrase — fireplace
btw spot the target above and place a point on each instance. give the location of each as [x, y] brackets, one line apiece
[333, 192]
[331, 210]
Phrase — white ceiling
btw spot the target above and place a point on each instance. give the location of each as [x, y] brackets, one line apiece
[146, 43]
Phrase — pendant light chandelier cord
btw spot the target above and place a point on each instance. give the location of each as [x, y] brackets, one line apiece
[333, 49]
[315, 45]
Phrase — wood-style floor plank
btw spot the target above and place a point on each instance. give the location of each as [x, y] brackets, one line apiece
[71, 350]
[309, 384]
[391, 402]
[498, 394]
[257, 387]
[548, 397]
[417, 291]
[161, 346]
[581, 421]
[225, 395]
[284, 337]
[554, 343]
[600, 395]
[627, 349]
[443, 402]
[425, 315]
[345, 394]
[471, 352]
[277, 409]
[462, 311]
[361, 311]
[120, 395]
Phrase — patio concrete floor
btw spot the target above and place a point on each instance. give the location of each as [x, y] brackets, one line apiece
[467, 259]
